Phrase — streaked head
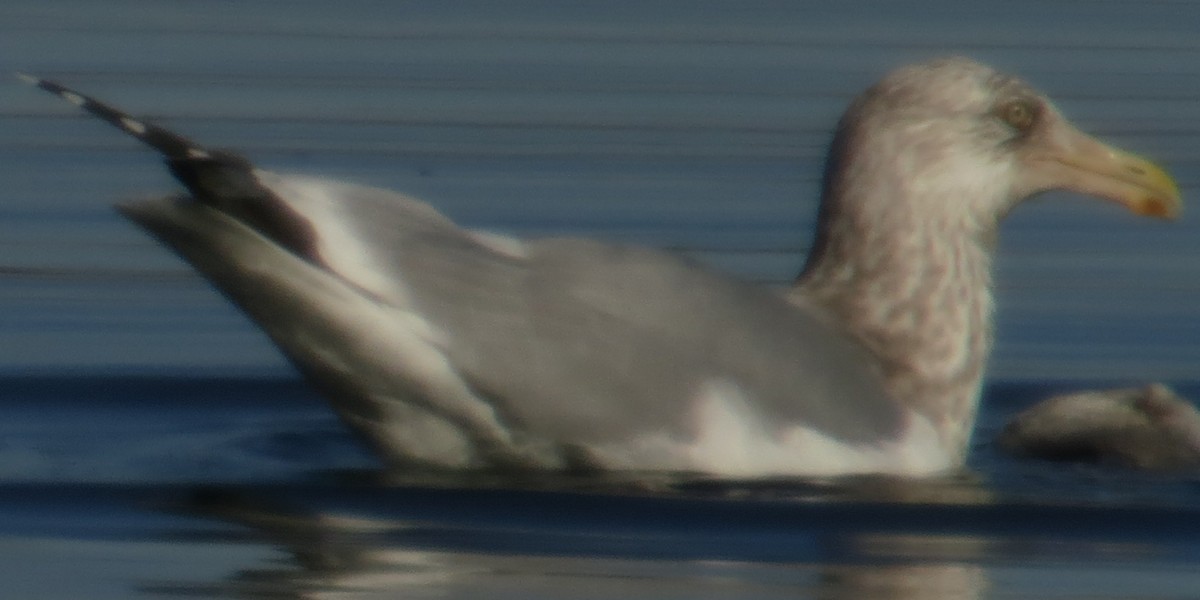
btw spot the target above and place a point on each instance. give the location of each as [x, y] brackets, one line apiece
[957, 139]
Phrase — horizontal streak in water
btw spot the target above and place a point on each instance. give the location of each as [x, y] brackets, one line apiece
[514, 522]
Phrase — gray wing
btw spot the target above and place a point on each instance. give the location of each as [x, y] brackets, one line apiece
[583, 340]
[568, 340]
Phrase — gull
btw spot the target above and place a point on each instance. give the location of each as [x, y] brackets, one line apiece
[452, 348]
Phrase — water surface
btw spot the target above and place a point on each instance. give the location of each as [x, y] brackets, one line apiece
[152, 443]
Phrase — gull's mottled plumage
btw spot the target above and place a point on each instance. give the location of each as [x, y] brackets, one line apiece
[460, 348]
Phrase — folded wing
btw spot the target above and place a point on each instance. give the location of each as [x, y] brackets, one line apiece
[450, 346]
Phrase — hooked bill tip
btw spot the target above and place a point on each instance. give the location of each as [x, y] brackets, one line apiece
[1159, 207]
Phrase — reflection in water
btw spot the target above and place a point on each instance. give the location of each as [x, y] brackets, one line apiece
[332, 554]
[349, 538]
[909, 582]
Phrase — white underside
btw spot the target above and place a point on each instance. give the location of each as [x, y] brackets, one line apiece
[731, 439]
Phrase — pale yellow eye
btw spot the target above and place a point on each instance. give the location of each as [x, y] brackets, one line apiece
[1020, 114]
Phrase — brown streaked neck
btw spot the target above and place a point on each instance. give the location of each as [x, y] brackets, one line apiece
[916, 290]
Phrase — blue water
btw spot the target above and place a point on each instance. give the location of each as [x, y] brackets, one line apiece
[153, 443]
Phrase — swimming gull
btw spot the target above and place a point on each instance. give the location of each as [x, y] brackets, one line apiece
[454, 348]
[1149, 428]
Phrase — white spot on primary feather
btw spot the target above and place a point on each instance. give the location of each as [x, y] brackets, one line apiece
[74, 98]
[135, 127]
[197, 153]
[29, 79]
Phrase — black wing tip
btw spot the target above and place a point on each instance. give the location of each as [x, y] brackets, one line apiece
[206, 173]
[55, 88]
[166, 142]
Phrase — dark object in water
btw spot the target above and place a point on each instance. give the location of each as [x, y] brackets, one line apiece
[1148, 427]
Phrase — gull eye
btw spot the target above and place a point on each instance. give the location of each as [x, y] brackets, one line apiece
[1019, 114]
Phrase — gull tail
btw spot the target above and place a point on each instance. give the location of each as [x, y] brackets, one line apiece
[171, 145]
[220, 179]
